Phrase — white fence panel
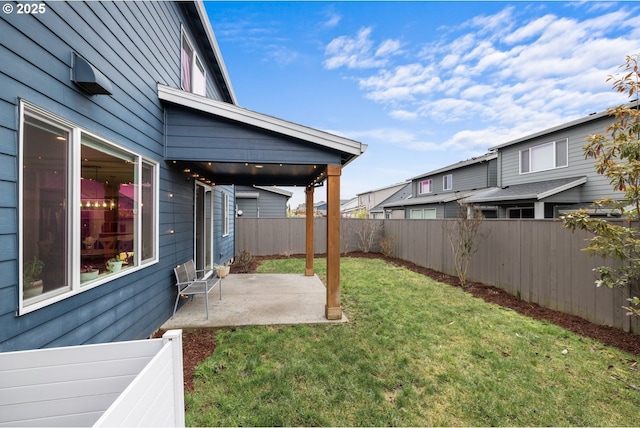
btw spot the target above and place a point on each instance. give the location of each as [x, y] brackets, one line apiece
[75, 386]
[149, 399]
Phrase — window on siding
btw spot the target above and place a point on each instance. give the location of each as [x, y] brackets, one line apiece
[425, 186]
[110, 230]
[447, 182]
[544, 157]
[193, 75]
[423, 213]
[225, 213]
[517, 212]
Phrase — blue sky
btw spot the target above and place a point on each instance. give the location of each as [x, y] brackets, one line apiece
[423, 84]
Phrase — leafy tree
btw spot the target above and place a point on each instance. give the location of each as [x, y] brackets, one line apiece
[617, 157]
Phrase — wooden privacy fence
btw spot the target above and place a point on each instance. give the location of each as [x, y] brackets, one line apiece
[137, 383]
[537, 260]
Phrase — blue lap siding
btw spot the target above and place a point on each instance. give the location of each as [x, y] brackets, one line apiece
[134, 45]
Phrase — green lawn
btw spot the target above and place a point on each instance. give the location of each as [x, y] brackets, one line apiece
[415, 353]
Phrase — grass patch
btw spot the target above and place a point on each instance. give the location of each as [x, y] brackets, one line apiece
[415, 353]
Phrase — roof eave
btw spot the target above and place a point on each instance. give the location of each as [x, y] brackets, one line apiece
[461, 164]
[576, 122]
[262, 121]
[560, 189]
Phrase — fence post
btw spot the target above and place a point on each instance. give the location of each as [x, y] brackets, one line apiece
[175, 338]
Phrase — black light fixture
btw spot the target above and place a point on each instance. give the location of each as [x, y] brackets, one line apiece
[88, 77]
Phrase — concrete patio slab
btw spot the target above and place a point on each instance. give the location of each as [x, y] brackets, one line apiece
[257, 299]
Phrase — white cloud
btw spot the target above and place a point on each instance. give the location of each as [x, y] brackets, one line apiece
[389, 47]
[333, 19]
[358, 52]
[501, 69]
[403, 115]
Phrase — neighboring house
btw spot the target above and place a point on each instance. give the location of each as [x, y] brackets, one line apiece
[368, 200]
[261, 201]
[349, 207]
[544, 174]
[120, 138]
[392, 207]
[436, 193]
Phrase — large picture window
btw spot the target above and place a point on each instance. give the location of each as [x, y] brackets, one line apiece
[544, 157]
[88, 210]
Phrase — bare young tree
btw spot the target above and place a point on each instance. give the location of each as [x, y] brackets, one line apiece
[368, 231]
[464, 235]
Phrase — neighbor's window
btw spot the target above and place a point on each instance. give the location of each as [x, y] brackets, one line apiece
[425, 186]
[108, 230]
[544, 156]
[193, 75]
[423, 213]
[447, 182]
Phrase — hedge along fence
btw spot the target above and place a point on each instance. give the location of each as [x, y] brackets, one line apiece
[537, 260]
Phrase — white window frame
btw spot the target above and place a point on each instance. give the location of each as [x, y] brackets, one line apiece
[421, 187]
[226, 212]
[447, 182]
[526, 168]
[197, 80]
[422, 212]
[73, 219]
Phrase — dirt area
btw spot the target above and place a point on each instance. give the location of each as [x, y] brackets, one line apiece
[198, 344]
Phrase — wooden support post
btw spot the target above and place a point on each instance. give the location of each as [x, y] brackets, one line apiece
[309, 231]
[333, 311]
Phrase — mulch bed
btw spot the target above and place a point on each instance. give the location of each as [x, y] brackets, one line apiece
[198, 344]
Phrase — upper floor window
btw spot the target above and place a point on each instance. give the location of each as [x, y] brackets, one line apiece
[544, 156]
[425, 186]
[88, 210]
[193, 76]
[447, 182]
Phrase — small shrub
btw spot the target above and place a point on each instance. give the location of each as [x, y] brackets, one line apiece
[243, 262]
[386, 245]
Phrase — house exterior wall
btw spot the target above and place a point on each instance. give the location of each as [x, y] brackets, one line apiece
[596, 187]
[267, 204]
[476, 176]
[223, 244]
[135, 45]
[370, 199]
[199, 135]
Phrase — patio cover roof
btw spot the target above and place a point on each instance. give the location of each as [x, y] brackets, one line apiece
[227, 144]
[528, 191]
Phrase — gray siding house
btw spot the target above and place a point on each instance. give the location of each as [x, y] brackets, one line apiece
[261, 201]
[391, 207]
[371, 199]
[120, 145]
[436, 193]
[543, 174]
